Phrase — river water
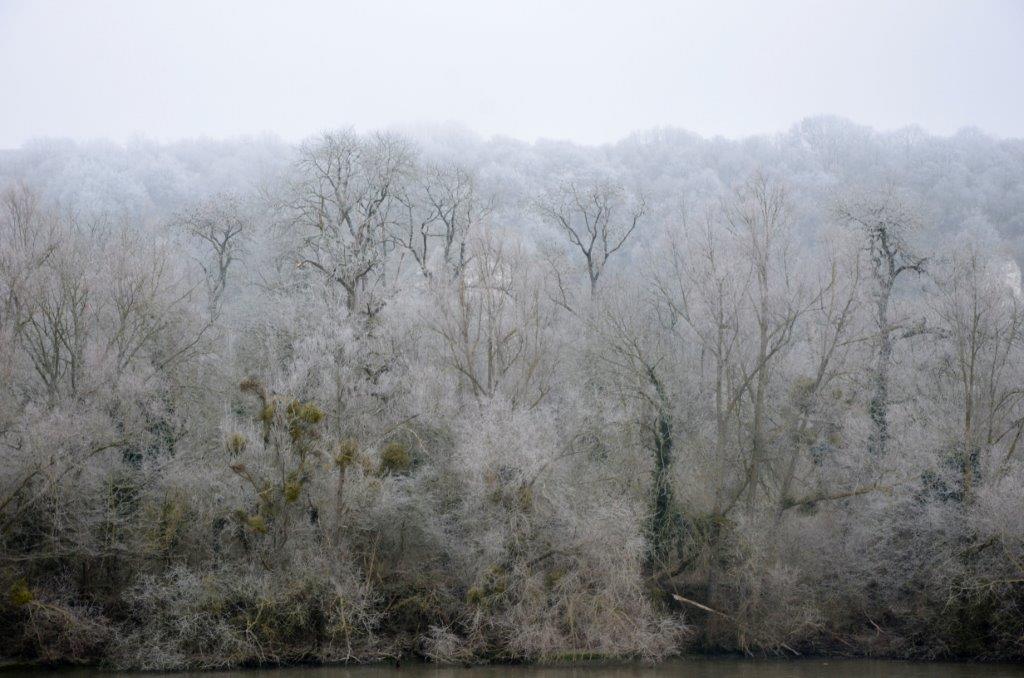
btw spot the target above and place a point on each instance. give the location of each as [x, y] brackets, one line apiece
[690, 668]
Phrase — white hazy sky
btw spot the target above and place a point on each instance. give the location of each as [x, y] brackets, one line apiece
[587, 71]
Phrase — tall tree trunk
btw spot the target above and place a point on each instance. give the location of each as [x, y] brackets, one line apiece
[879, 405]
[666, 525]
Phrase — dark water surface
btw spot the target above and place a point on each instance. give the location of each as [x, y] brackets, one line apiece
[691, 668]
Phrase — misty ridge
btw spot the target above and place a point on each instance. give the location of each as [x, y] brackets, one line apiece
[422, 394]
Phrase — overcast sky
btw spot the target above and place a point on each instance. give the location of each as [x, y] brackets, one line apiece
[587, 71]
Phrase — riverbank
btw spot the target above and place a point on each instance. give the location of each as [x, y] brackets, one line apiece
[688, 667]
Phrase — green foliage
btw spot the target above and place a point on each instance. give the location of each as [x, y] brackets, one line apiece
[345, 453]
[302, 418]
[268, 412]
[256, 523]
[306, 413]
[20, 593]
[394, 459]
[236, 443]
[292, 491]
[167, 521]
[290, 456]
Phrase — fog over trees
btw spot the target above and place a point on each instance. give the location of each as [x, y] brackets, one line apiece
[422, 394]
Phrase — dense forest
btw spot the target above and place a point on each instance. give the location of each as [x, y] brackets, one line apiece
[420, 394]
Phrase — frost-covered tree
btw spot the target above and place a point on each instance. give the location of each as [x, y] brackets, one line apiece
[413, 427]
[597, 219]
[342, 201]
[219, 225]
[888, 225]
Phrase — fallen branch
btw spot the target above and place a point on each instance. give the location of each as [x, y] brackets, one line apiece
[700, 606]
[818, 498]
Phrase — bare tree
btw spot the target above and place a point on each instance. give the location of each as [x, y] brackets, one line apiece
[703, 290]
[342, 202]
[493, 324]
[632, 349]
[30, 237]
[220, 224]
[758, 216]
[829, 332]
[443, 207]
[981, 319]
[887, 223]
[596, 218]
